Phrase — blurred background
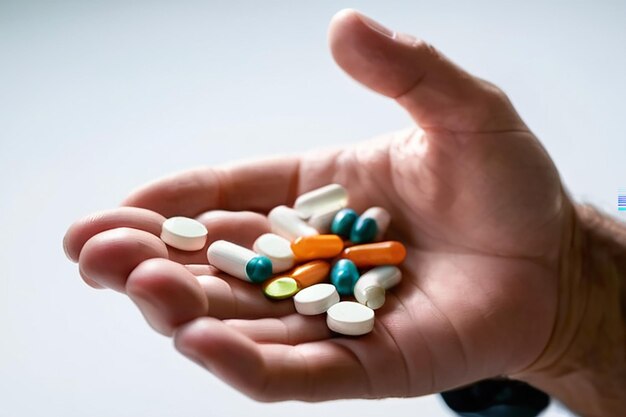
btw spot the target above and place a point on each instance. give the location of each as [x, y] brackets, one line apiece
[98, 97]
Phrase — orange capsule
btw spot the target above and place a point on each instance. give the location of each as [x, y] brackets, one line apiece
[375, 254]
[310, 273]
[306, 248]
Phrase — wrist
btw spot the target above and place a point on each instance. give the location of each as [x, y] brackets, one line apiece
[584, 363]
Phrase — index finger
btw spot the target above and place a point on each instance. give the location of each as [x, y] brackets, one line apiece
[253, 185]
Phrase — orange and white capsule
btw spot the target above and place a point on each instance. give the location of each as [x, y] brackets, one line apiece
[310, 273]
[375, 254]
[306, 248]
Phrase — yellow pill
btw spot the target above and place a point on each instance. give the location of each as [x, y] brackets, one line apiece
[280, 288]
[306, 248]
[310, 273]
[375, 254]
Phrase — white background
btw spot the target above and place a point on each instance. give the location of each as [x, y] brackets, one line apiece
[98, 97]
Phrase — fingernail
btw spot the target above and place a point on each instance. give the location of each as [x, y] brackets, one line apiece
[374, 25]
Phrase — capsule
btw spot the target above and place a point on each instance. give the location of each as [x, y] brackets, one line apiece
[310, 273]
[280, 288]
[306, 248]
[286, 222]
[277, 249]
[370, 226]
[375, 254]
[364, 230]
[369, 290]
[343, 222]
[321, 200]
[344, 276]
[239, 262]
[323, 221]
[382, 218]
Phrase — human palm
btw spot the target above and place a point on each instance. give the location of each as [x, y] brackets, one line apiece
[472, 194]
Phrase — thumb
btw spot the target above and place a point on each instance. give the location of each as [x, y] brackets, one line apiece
[435, 92]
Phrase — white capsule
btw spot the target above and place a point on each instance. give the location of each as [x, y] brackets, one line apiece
[286, 222]
[322, 200]
[370, 289]
[239, 262]
[350, 318]
[315, 299]
[382, 219]
[322, 221]
[277, 248]
[184, 233]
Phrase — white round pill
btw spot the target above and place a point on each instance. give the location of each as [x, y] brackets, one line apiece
[315, 299]
[277, 248]
[184, 233]
[350, 318]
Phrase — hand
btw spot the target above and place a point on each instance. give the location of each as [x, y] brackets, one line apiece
[472, 194]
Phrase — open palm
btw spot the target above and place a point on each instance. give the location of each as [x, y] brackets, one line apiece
[471, 192]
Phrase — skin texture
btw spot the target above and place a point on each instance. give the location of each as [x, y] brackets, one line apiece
[471, 192]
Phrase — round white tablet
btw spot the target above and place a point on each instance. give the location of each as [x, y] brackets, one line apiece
[350, 318]
[277, 248]
[184, 233]
[315, 299]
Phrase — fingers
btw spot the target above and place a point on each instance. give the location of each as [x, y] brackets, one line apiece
[233, 298]
[271, 372]
[89, 226]
[110, 256]
[168, 294]
[258, 186]
[436, 92]
[288, 330]
[238, 227]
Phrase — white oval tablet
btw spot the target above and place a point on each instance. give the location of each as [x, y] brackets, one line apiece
[287, 223]
[277, 248]
[315, 299]
[350, 318]
[321, 200]
[184, 233]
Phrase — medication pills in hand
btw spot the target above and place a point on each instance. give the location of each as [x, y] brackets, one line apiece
[184, 233]
[315, 299]
[239, 262]
[375, 254]
[350, 318]
[344, 276]
[277, 249]
[309, 246]
[280, 288]
[286, 222]
[370, 289]
[306, 248]
[322, 200]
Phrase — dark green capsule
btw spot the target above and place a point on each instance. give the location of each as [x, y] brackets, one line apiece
[344, 276]
[343, 222]
[364, 230]
[259, 268]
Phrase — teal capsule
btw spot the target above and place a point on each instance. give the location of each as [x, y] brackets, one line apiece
[343, 222]
[364, 230]
[259, 268]
[344, 276]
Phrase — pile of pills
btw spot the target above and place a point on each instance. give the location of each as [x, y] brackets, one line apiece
[318, 252]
